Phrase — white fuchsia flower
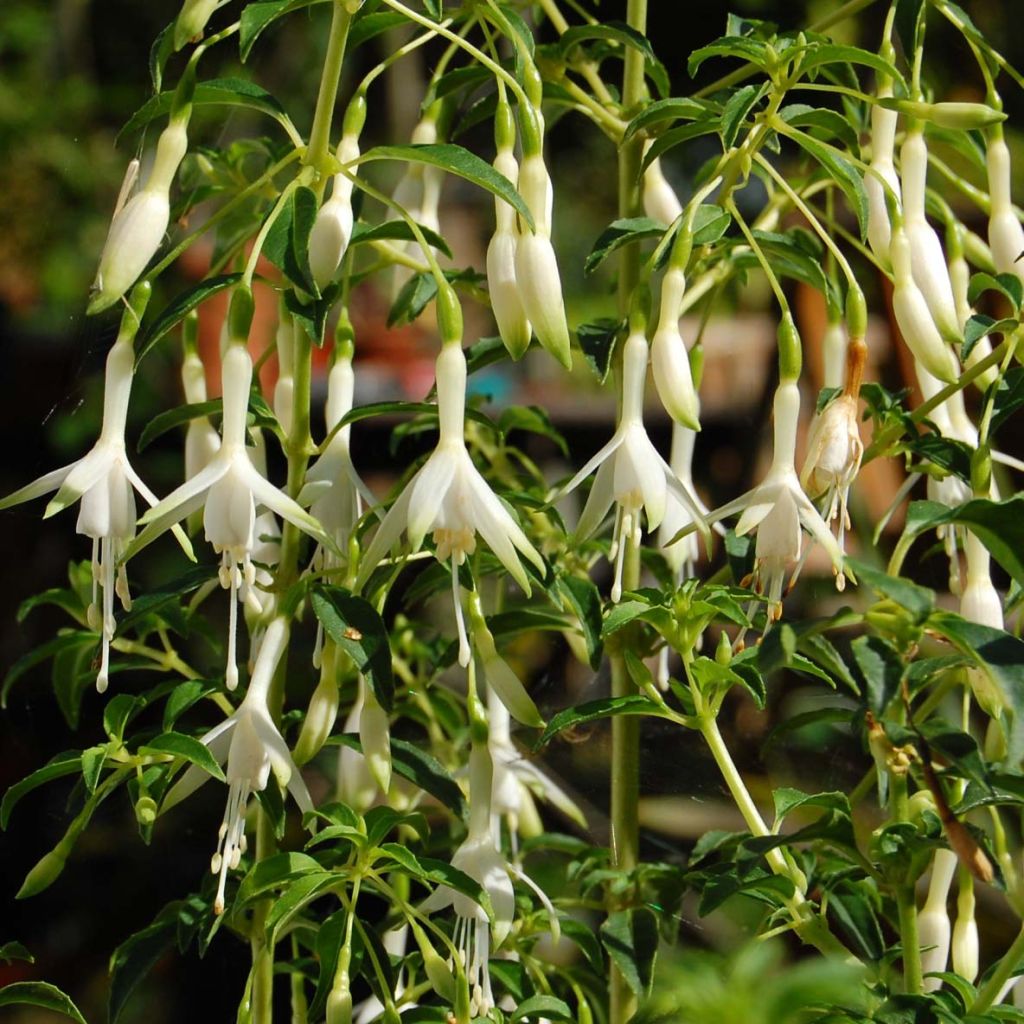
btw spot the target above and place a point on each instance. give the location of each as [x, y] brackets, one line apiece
[102, 481]
[252, 747]
[502, 285]
[927, 258]
[139, 222]
[883, 144]
[332, 229]
[449, 498]
[670, 361]
[630, 472]
[537, 275]
[1005, 234]
[478, 857]
[659, 198]
[778, 507]
[192, 19]
[934, 931]
[229, 490]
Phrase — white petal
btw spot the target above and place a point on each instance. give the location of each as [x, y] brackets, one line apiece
[617, 438]
[46, 483]
[598, 502]
[384, 539]
[429, 488]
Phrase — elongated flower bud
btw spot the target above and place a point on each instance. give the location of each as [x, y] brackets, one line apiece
[883, 141]
[1005, 234]
[332, 229]
[670, 361]
[191, 20]
[660, 200]
[933, 920]
[322, 711]
[284, 387]
[965, 931]
[960, 279]
[374, 735]
[537, 273]
[834, 343]
[980, 603]
[928, 261]
[958, 116]
[506, 300]
[137, 229]
[913, 317]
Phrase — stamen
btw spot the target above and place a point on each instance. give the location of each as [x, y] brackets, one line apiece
[460, 624]
[231, 672]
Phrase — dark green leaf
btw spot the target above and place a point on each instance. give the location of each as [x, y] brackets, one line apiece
[68, 763]
[179, 308]
[257, 16]
[539, 1006]
[828, 123]
[618, 32]
[843, 173]
[631, 939]
[1009, 396]
[880, 669]
[830, 53]
[187, 747]
[675, 109]
[535, 420]
[171, 418]
[357, 628]
[736, 109]
[597, 341]
[66, 640]
[287, 241]
[14, 950]
[1008, 285]
[396, 230]
[92, 766]
[917, 600]
[751, 50]
[618, 234]
[584, 599]
[231, 92]
[980, 326]
[41, 994]
[460, 161]
[135, 957]
[606, 707]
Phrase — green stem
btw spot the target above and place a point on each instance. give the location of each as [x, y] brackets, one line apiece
[319, 134]
[298, 447]
[989, 992]
[906, 903]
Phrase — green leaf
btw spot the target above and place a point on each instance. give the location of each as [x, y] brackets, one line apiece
[330, 937]
[751, 50]
[266, 875]
[830, 124]
[41, 994]
[230, 92]
[843, 173]
[68, 763]
[909, 23]
[182, 697]
[420, 768]
[709, 224]
[542, 1006]
[367, 26]
[1009, 396]
[396, 230]
[135, 957]
[61, 597]
[581, 596]
[631, 939]
[980, 326]
[618, 234]
[92, 766]
[187, 747]
[357, 628]
[674, 109]
[606, 707]
[787, 800]
[257, 16]
[917, 600]
[736, 109]
[287, 241]
[597, 342]
[460, 161]
[535, 420]
[171, 418]
[880, 668]
[14, 950]
[176, 311]
[618, 32]
[66, 640]
[831, 53]
[851, 906]
[1008, 285]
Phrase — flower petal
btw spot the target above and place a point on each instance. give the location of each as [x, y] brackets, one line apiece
[46, 483]
[384, 539]
[650, 471]
[590, 466]
[511, 692]
[269, 496]
[218, 740]
[598, 502]
[501, 532]
[429, 488]
[82, 475]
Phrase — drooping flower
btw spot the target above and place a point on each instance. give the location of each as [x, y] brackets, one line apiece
[670, 361]
[139, 222]
[1005, 234]
[251, 745]
[778, 507]
[332, 229]
[934, 930]
[478, 857]
[502, 284]
[980, 603]
[927, 258]
[630, 472]
[449, 498]
[682, 554]
[882, 169]
[229, 489]
[102, 482]
[537, 275]
[659, 198]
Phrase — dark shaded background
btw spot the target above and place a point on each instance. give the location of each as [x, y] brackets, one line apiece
[71, 72]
